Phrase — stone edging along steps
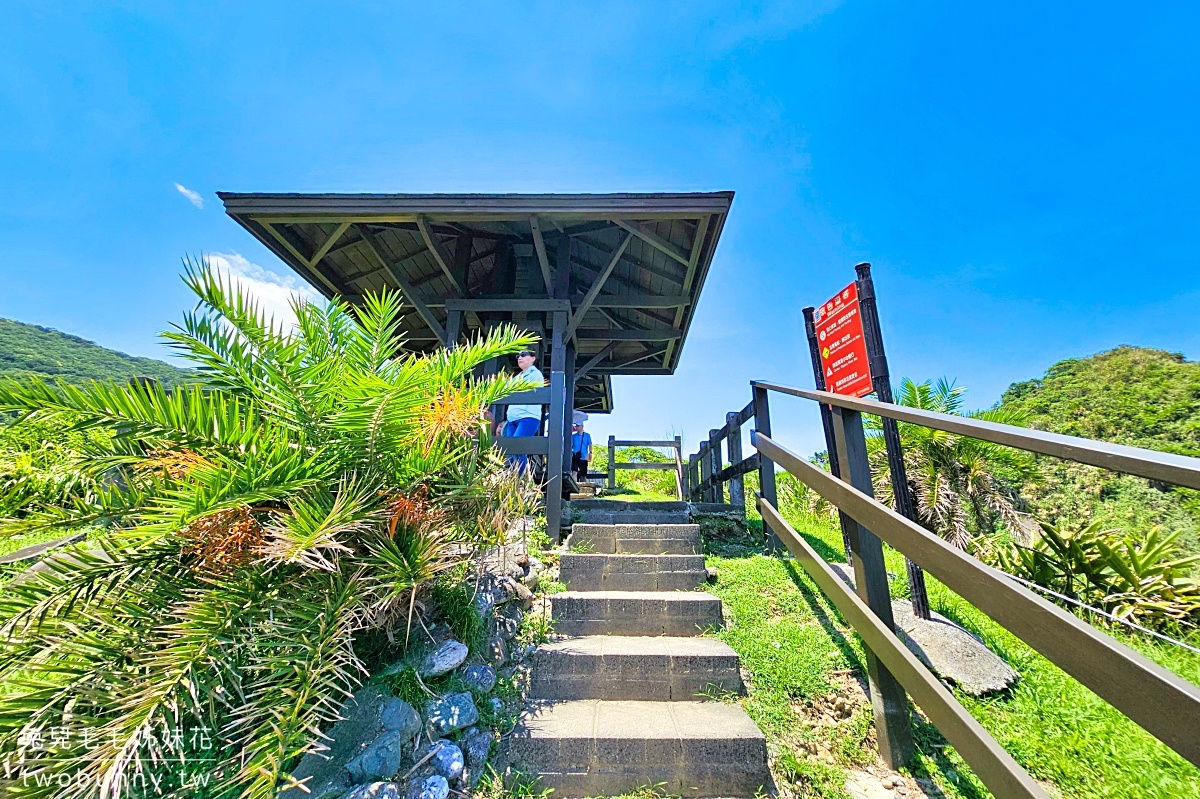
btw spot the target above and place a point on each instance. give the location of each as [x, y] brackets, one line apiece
[621, 700]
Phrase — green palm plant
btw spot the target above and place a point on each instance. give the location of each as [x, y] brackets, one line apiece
[1141, 578]
[299, 495]
[961, 486]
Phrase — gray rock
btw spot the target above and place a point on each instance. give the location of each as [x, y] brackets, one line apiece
[477, 744]
[496, 651]
[381, 758]
[432, 787]
[400, 716]
[507, 621]
[497, 706]
[485, 601]
[451, 712]
[479, 677]
[445, 758]
[447, 657]
[331, 787]
[374, 790]
[523, 595]
[324, 770]
[950, 651]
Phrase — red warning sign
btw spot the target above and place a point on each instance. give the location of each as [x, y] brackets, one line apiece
[843, 347]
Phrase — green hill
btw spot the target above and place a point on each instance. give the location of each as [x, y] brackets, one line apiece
[33, 350]
[1129, 395]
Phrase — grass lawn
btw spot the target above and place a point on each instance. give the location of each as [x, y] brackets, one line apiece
[801, 657]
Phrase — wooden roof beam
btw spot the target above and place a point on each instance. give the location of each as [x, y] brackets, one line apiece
[654, 240]
[303, 259]
[539, 244]
[651, 268]
[582, 371]
[440, 255]
[650, 353]
[690, 275]
[639, 301]
[409, 292]
[597, 284]
[603, 334]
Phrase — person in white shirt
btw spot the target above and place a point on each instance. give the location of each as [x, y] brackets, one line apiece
[524, 420]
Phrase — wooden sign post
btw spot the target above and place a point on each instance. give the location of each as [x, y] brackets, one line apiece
[846, 347]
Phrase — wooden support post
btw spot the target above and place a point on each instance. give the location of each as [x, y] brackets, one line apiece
[554, 426]
[569, 406]
[705, 472]
[612, 463]
[714, 449]
[693, 477]
[766, 467]
[892, 725]
[680, 477]
[882, 382]
[453, 328]
[737, 489]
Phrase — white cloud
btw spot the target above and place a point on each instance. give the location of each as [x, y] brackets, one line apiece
[193, 196]
[274, 292]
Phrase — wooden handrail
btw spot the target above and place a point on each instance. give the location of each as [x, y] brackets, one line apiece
[991, 763]
[1166, 467]
[1130, 682]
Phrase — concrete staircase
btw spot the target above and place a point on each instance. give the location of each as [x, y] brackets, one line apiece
[623, 701]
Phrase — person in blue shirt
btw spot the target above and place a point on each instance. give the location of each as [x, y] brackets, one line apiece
[581, 447]
[524, 420]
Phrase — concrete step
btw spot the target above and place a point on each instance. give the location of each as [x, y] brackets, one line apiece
[587, 572]
[604, 748]
[612, 511]
[635, 539]
[662, 668]
[635, 612]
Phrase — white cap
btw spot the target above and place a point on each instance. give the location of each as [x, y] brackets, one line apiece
[578, 417]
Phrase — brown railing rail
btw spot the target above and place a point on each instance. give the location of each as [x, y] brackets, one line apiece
[707, 474]
[1163, 703]
[676, 466]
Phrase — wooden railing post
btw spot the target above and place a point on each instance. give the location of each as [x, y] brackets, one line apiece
[612, 463]
[737, 490]
[680, 477]
[714, 451]
[693, 476]
[705, 472]
[766, 468]
[892, 725]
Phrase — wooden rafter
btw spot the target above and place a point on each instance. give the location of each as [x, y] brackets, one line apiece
[539, 244]
[329, 242]
[409, 292]
[592, 362]
[637, 262]
[440, 255]
[597, 284]
[279, 237]
[654, 240]
[690, 275]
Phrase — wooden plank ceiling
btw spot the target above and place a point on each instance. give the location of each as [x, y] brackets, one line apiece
[634, 263]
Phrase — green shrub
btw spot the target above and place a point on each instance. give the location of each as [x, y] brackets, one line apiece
[1142, 579]
[258, 525]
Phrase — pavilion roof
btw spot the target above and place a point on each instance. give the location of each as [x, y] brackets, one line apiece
[628, 266]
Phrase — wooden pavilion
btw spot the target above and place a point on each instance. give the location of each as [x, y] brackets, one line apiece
[608, 281]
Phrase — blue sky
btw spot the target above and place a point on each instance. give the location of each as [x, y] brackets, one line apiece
[1023, 177]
